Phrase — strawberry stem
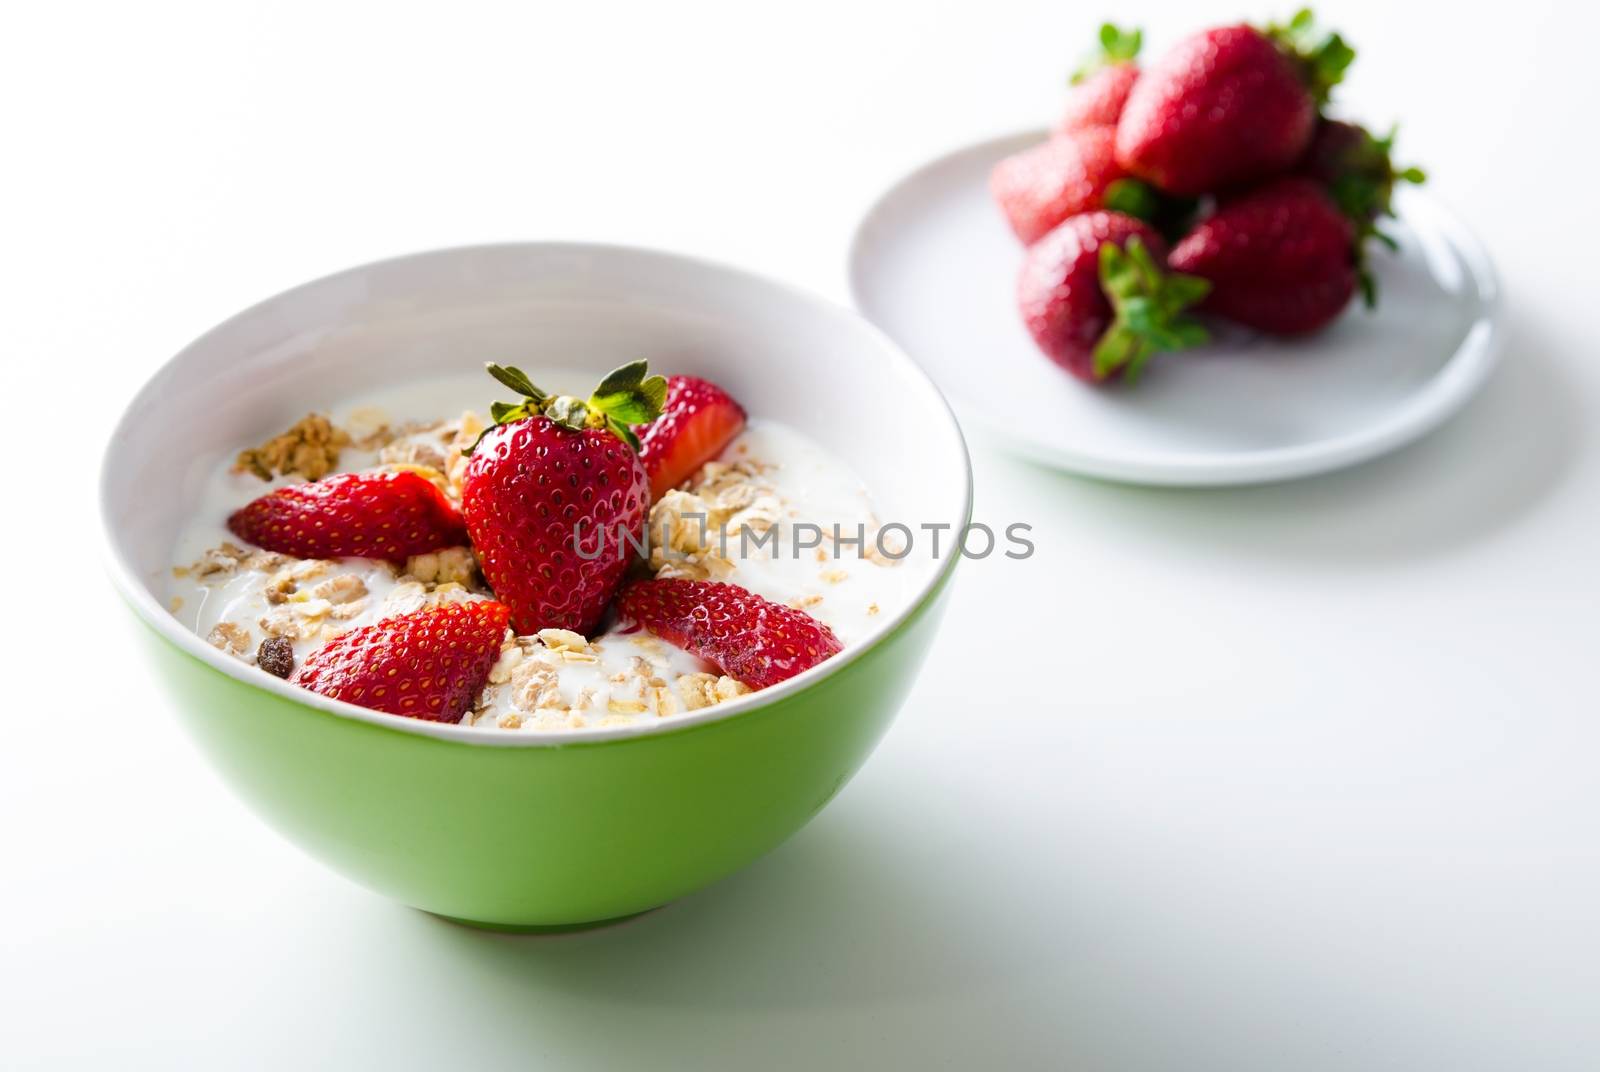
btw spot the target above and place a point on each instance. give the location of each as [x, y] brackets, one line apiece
[1321, 55]
[1167, 213]
[515, 379]
[1149, 304]
[1116, 46]
[1359, 173]
[1132, 197]
[1362, 180]
[626, 396]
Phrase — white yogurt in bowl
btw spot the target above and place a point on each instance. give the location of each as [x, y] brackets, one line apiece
[776, 514]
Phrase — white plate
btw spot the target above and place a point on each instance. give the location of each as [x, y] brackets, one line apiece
[934, 264]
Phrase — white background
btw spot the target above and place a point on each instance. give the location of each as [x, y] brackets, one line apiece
[1293, 778]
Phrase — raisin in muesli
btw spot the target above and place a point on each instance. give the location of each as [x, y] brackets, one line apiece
[276, 656]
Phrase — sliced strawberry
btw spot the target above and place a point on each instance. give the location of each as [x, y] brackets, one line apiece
[697, 422]
[745, 636]
[429, 664]
[388, 515]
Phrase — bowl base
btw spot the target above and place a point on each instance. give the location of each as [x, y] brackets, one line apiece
[557, 928]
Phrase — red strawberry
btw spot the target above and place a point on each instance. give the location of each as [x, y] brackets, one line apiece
[1357, 169]
[554, 491]
[1071, 173]
[1229, 106]
[1100, 87]
[1280, 259]
[1098, 100]
[429, 664]
[1095, 301]
[385, 514]
[1358, 172]
[697, 422]
[744, 636]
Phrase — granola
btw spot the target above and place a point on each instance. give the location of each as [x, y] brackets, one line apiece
[229, 638]
[453, 565]
[437, 449]
[737, 519]
[310, 448]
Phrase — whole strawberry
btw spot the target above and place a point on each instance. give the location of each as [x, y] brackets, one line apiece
[1043, 185]
[1100, 87]
[1229, 106]
[553, 493]
[749, 638]
[387, 514]
[1280, 259]
[1097, 302]
[428, 664]
[1357, 168]
[697, 422]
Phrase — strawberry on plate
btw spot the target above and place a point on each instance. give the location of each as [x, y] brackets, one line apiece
[553, 492]
[429, 664]
[749, 638]
[385, 514]
[1043, 185]
[1100, 87]
[1280, 259]
[698, 420]
[1097, 302]
[1229, 106]
[1357, 169]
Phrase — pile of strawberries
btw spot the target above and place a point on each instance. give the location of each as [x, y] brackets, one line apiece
[1220, 149]
[554, 502]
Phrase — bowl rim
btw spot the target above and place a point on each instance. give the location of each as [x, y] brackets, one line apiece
[125, 577]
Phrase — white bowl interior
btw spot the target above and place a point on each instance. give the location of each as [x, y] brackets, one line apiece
[558, 311]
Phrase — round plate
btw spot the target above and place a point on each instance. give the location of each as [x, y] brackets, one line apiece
[934, 264]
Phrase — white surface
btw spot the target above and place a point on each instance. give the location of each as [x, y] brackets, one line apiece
[566, 314]
[1314, 784]
[935, 266]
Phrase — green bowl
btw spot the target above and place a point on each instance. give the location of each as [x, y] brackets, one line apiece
[514, 830]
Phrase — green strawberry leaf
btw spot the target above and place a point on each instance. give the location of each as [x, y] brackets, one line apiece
[622, 432]
[1149, 305]
[627, 396]
[1322, 55]
[1183, 291]
[1362, 186]
[623, 378]
[1167, 213]
[517, 380]
[1119, 45]
[1132, 198]
[630, 395]
[1116, 46]
[506, 412]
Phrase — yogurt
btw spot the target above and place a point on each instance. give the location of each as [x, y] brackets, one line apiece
[776, 514]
